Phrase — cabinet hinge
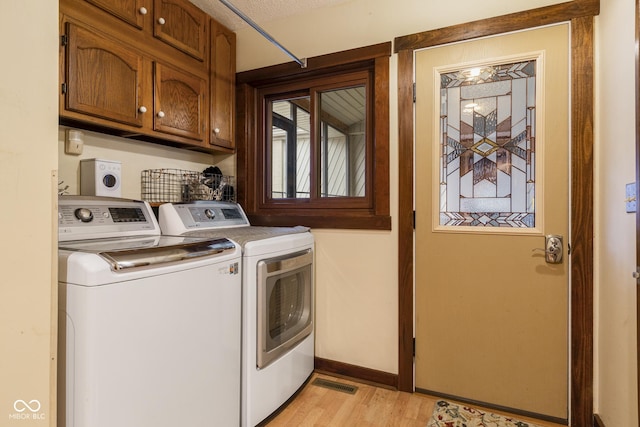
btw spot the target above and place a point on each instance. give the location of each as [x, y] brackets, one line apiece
[64, 88]
[414, 346]
[414, 220]
[414, 93]
[64, 40]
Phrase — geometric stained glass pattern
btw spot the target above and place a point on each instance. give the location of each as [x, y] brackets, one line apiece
[487, 146]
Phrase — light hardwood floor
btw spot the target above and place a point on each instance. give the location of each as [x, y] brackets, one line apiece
[370, 406]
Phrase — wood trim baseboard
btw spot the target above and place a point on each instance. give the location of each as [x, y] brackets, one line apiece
[354, 372]
[597, 421]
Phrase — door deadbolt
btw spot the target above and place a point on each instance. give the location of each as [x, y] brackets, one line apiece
[552, 249]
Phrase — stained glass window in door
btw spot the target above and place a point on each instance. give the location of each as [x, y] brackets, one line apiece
[487, 146]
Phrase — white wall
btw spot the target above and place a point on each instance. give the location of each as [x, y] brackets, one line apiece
[616, 398]
[135, 156]
[356, 271]
[28, 164]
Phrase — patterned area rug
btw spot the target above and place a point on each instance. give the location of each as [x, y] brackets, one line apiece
[447, 414]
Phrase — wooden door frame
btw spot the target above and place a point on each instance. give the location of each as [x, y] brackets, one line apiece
[581, 15]
[637, 104]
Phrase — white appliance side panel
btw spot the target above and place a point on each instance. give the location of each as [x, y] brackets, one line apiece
[159, 351]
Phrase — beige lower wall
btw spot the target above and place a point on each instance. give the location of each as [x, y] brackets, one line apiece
[616, 396]
[28, 163]
[357, 298]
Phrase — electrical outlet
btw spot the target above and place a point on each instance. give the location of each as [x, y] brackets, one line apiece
[630, 197]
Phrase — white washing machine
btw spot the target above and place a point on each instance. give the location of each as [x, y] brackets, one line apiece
[277, 299]
[149, 326]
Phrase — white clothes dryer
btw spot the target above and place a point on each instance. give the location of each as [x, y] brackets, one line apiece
[277, 299]
[149, 325]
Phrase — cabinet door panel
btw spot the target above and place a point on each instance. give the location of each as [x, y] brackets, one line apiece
[130, 11]
[223, 84]
[103, 78]
[179, 103]
[182, 25]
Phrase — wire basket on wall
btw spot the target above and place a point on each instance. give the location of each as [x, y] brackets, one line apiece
[178, 185]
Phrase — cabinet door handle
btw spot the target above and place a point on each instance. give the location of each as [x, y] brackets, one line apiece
[142, 109]
[142, 10]
[216, 131]
[161, 114]
[161, 21]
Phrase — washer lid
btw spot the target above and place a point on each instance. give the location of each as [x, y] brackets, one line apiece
[126, 253]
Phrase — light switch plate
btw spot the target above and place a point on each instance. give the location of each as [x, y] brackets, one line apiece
[630, 197]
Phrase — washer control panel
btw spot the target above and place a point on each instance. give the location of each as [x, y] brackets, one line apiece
[89, 217]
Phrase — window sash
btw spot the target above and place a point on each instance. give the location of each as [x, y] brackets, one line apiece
[312, 90]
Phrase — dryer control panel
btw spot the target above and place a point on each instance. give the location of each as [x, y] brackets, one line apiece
[179, 218]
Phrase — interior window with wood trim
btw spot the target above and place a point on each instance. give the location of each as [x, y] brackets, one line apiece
[313, 143]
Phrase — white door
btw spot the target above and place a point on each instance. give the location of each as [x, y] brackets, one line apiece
[492, 180]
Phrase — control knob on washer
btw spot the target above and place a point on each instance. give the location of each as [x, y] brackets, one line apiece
[210, 213]
[83, 214]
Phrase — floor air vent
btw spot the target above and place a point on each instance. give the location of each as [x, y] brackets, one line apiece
[333, 385]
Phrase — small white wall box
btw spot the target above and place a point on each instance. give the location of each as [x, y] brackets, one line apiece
[100, 178]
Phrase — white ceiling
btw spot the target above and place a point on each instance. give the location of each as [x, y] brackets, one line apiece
[260, 11]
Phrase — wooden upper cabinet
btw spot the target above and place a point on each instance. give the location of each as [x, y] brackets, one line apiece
[223, 84]
[180, 103]
[181, 25]
[103, 78]
[143, 69]
[130, 11]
